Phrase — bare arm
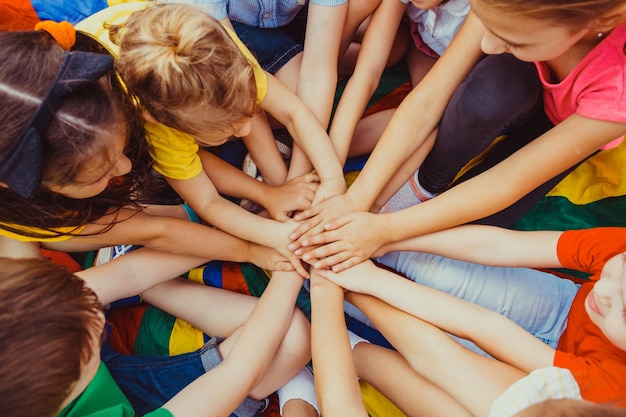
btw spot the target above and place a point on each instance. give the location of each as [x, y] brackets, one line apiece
[219, 391]
[202, 196]
[494, 333]
[317, 80]
[336, 380]
[264, 152]
[422, 108]
[11, 248]
[307, 132]
[168, 234]
[487, 245]
[370, 64]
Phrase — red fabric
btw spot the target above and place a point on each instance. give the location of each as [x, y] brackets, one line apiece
[123, 324]
[391, 100]
[62, 258]
[598, 366]
[17, 15]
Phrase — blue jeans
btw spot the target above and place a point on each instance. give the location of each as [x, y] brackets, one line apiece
[537, 301]
[273, 48]
[150, 381]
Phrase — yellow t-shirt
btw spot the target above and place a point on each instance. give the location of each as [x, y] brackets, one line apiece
[53, 237]
[175, 153]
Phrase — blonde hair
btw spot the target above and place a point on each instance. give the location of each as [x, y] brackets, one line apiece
[185, 68]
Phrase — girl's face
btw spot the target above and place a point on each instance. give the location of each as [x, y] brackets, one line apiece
[527, 38]
[95, 177]
[238, 130]
[606, 303]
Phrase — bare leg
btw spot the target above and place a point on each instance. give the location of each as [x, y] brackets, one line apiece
[391, 374]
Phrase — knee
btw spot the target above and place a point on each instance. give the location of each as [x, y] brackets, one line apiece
[297, 340]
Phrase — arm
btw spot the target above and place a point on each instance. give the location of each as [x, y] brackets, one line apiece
[558, 149]
[336, 380]
[317, 80]
[423, 107]
[484, 327]
[295, 195]
[307, 132]
[11, 248]
[487, 245]
[136, 272]
[219, 391]
[370, 65]
[202, 196]
[168, 234]
[260, 143]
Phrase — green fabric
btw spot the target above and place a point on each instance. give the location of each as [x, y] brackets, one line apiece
[153, 337]
[101, 398]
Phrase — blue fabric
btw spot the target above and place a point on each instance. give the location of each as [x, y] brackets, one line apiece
[71, 11]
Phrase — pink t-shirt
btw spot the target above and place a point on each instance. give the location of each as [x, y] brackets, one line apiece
[595, 89]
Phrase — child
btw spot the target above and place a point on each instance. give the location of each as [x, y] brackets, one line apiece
[469, 129]
[53, 312]
[592, 346]
[583, 97]
[212, 100]
[67, 177]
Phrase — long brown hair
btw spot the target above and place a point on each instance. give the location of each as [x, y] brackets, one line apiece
[84, 127]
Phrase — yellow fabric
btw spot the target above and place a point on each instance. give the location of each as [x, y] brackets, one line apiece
[175, 153]
[601, 176]
[185, 338]
[259, 74]
[52, 238]
[376, 404]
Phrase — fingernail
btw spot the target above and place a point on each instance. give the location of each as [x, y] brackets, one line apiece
[306, 256]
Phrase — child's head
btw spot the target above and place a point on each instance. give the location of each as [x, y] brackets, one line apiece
[570, 408]
[86, 142]
[187, 71]
[50, 327]
[606, 303]
[543, 30]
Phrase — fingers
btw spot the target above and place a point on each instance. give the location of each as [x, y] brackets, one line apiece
[308, 213]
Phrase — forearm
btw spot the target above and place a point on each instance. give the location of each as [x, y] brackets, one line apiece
[11, 248]
[487, 245]
[264, 152]
[336, 380]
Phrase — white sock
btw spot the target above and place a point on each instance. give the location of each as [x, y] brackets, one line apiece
[355, 339]
[410, 194]
[299, 387]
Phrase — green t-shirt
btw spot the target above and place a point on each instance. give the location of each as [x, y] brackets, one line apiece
[103, 398]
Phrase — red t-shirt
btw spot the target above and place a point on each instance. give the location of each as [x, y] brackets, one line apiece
[598, 366]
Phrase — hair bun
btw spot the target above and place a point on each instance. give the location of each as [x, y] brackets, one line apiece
[63, 32]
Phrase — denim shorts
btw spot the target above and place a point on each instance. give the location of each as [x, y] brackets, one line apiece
[273, 48]
[150, 381]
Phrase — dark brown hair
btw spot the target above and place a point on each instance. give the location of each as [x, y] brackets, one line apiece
[83, 128]
[48, 317]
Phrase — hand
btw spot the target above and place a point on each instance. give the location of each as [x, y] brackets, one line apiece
[329, 188]
[282, 240]
[269, 258]
[347, 241]
[314, 219]
[295, 195]
[352, 279]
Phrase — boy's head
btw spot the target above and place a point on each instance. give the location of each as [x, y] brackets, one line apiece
[606, 303]
[50, 327]
[187, 71]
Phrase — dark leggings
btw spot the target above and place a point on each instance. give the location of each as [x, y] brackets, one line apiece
[501, 95]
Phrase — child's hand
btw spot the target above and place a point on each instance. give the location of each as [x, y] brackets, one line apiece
[293, 196]
[314, 219]
[282, 240]
[347, 241]
[269, 258]
[352, 279]
[329, 189]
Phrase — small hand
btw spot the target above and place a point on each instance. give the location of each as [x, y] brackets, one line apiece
[269, 258]
[352, 279]
[282, 241]
[295, 195]
[314, 219]
[345, 242]
[329, 189]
